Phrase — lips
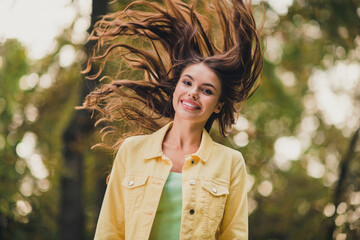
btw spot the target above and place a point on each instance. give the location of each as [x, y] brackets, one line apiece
[188, 104]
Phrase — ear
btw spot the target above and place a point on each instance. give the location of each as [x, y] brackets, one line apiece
[218, 107]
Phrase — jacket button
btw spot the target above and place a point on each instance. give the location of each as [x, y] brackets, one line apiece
[192, 211]
[131, 182]
[214, 190]
[192, 182]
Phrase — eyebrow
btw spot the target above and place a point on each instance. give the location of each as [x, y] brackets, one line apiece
[206, 84]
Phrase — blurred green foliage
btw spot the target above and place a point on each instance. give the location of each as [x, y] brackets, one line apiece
[290, 201]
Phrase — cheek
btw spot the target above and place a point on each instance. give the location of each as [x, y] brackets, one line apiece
[214, 102]
[175, 97]
[174, 101]
[177, 92]
[213, 107]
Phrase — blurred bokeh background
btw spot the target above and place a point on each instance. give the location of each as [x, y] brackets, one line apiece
[299, 133]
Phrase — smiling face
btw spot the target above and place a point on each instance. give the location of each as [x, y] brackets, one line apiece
[197, 94]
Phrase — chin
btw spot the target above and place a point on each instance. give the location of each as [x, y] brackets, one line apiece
[190, 117]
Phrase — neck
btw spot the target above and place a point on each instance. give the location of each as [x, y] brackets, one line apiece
[184, 136]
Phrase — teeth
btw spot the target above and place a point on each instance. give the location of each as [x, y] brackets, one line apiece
[188, 104]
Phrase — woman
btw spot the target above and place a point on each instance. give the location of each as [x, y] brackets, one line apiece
[175, 183]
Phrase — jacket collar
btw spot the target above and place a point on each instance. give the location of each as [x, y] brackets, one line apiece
[157, 138]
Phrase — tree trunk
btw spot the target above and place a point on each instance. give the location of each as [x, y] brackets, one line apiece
[341, 184]
[71, 204]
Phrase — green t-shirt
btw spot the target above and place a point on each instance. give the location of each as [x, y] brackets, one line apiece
[167, 221]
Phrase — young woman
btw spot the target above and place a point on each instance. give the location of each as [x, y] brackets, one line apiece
[175, 183]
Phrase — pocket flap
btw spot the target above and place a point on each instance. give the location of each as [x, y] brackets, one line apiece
[134, 181]
[215, 189]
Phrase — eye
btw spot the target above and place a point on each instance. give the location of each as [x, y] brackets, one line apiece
[186, 82]
[207, 91]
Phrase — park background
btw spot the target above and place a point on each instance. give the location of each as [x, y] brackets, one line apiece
[299, 133]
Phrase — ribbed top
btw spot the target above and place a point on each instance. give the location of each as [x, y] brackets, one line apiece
[167, 221]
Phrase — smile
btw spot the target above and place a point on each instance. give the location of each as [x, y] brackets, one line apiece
[189, 105]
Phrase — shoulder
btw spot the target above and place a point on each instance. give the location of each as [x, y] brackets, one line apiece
[229, 162]
[136, 141]
[231, 159]
[134, 148]
[229, 153]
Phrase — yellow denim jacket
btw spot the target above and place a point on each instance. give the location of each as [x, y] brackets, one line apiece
[214, 204]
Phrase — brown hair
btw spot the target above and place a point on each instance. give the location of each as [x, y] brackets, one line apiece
[164, 41]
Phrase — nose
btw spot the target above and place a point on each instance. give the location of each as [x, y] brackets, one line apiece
[193, 93]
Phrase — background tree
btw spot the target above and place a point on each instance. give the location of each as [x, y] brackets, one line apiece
[79, 128]
[298, 133]
[301, 123]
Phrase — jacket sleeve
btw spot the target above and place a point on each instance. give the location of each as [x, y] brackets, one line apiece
[235, 220]
[111, 221]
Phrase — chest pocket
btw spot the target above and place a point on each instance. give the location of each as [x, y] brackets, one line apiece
[134, 192]
[213, 197]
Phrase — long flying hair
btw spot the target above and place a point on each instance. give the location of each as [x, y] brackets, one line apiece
[157, 42]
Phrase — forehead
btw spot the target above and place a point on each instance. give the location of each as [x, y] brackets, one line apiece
[202, 73]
